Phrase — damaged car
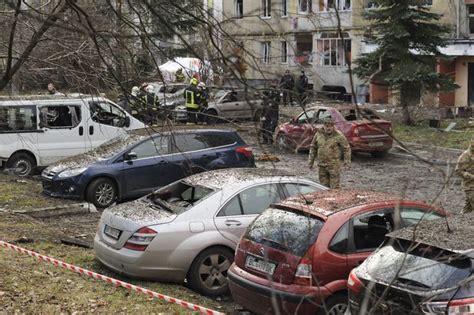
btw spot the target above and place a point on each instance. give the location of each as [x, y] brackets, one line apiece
[427, 269]
[133, 165]
[296, 256]
[189, 229]
[364, 129]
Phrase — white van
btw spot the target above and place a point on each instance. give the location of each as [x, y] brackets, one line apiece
[38, 131]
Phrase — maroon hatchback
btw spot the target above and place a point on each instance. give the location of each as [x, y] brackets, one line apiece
[296, 256]
[365, 131]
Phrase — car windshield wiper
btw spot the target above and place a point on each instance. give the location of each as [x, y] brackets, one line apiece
[275, 244]
[163, 204]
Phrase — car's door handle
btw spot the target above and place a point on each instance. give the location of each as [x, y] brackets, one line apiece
[163, 162]
[91, 130]
[81, 130]
[232, 222]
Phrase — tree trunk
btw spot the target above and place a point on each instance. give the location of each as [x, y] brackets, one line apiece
[408, 97]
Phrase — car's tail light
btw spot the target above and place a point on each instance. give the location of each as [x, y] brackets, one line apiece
[140, 240]
[462, 306]
[304, 273]
[353, 283]
[246, 151]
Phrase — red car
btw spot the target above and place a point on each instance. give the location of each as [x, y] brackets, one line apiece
[296, 256]
[365, 131]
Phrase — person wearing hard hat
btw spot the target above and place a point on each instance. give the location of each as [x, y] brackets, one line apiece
[191, 96]
[202, 101]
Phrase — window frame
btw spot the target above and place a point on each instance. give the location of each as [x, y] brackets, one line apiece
[470, 17]
[309, 6]
[284, 8]
[266, 52]
[284, 52]
[112, 105]
[34, 116]
[331, 57]
[154, 140]
[76, 106]
[266, 9]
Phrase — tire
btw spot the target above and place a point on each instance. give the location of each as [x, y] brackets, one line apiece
[23, 163]
[257, 115]
[212, 119]
[208, 273]
[379, 154]
[280, 142]
[102, 192]
[335, 305]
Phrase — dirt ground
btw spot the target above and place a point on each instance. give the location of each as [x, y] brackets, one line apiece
[27, 286]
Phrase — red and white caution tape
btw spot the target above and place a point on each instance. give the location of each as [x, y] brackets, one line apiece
[113, 281]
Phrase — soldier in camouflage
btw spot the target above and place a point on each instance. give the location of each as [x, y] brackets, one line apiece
[331, 149]
[465, 169]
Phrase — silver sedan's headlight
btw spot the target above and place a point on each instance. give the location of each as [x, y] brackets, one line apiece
[71, 172]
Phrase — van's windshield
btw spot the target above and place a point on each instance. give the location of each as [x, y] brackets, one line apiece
[18, 118]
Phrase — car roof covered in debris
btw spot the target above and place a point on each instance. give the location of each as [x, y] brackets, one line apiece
[232, 177]
[328, 202]
[454, 233]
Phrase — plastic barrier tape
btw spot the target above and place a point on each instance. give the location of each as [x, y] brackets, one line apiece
[113, 281]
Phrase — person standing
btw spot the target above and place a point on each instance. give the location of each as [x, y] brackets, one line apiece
[465, 170]
[191, 96]
[301, 87]
[52, 90]
[332, 151]
[287, 83]
[203, 99]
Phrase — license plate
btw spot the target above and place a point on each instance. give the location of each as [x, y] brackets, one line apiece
[112, 232]
[376, 144]
[260, 265]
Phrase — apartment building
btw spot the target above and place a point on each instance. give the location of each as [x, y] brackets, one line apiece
[306, 35]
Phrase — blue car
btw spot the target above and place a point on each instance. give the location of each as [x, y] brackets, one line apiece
[111, 173]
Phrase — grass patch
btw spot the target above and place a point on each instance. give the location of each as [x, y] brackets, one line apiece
[423, 134]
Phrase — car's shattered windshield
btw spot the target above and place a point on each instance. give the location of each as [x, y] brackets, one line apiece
[179, 197]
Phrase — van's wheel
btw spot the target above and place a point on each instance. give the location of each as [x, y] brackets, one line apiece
[208, 273]
[335, 305]
[212, 118]
[257, 115]
[22, 163]
[379, 154]
[102, 192]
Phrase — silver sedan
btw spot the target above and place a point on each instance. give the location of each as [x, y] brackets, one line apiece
[190, 228]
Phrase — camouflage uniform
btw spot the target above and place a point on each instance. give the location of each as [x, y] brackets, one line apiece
[328, 148]
[465, 169]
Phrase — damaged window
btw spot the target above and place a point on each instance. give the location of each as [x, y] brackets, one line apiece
[252, 200]
[60, 117]
[333, 50]
[369, 229]
[352, 114]
[180, 196]
[107, 114]
[17, 118]
[285, 230]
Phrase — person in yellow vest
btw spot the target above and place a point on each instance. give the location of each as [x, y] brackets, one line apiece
[191, 96]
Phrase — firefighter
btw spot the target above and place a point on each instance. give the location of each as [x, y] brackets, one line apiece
[191, 96]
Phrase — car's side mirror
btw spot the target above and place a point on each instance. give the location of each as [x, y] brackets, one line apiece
[130, 156]
[127, 121]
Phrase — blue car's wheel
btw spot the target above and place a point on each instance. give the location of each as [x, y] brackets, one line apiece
[102, 192]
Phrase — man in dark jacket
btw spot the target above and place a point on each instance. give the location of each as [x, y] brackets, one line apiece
[301, 87]
[287, 83]
[269, 119]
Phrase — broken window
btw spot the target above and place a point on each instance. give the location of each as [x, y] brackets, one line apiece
[370, 229]
[239, 8]
[60, 116]
[304, 48]
[330, 5]
[17, 118]
[266, 8]
[284, 8]
[333, 50]
[284, 52]
[266, 52]
[305, 6]
[470, 9]
[107, 114]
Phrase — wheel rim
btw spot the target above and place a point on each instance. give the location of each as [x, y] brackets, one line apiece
[22, 167]
[104, 194]
[281, 142]
[213, 271]
[338, 309]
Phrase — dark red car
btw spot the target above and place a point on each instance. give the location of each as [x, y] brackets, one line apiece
[296, 256]
[365, 131]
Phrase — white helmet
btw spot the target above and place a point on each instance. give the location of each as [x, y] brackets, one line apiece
[202, 85]
[135, 90]
[150, 88]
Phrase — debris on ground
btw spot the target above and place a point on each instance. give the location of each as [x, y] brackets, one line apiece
[267, 158]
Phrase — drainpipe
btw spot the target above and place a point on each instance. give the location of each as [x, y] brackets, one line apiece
[458, 17]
